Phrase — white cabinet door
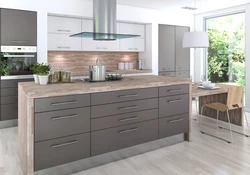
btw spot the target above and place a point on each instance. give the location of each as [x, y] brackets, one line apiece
[132, 45]
[133, 29]
[62, 42]
[88, 44]
[64, 25]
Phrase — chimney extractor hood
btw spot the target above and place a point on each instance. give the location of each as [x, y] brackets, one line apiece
[104, 12]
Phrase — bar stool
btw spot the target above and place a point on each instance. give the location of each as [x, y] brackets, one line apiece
[234, 101]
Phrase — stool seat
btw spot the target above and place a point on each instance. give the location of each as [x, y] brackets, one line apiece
[217, 106]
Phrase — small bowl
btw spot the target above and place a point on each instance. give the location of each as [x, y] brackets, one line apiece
[208, 85]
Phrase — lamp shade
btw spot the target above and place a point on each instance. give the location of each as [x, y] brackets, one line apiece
[196, 39]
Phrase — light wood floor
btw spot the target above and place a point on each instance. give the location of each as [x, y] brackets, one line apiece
[204, 156]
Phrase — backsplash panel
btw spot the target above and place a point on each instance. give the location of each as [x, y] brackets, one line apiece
[78, 62]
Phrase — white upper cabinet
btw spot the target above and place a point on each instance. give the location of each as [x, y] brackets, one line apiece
[59, 31]
[64, 25]
[136, 44]
[88, 44]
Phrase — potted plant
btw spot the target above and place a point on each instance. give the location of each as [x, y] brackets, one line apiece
[35, 69]
[43, 73]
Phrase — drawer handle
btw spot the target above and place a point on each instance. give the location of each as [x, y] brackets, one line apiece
[64, 117]
[64, 144]
[128, 130]
[128, 119]
[131, 95]
[19, 42]
[175, 90]
[174, 101]
[174, 121]
[129, 107]
[59, 30]
[64, 103]
[63, 47]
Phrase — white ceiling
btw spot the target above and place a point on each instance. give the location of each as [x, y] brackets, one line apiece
[175, 5]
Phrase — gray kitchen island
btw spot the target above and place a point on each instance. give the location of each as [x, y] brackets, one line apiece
[66, 128]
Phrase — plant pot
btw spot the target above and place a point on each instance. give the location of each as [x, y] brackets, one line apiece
[36, 78]
[43, 79]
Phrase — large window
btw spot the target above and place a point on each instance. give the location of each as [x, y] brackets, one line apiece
[226, 54]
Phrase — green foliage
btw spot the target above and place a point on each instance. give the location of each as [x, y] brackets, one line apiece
[4, 66]
[240, 72]
[40, 69]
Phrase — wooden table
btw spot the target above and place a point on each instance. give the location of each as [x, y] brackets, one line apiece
[218, 95]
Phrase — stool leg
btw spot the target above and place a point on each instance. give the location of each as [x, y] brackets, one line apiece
[243, 110]
[228, 118]
[217, 118]
[197, 111]
[200, 120]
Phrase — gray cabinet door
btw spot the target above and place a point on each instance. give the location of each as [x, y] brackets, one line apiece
[51, 125]
[173, 90]
[182, 55]
[9, 112]
[173, 125]
[63, 150]
[18, 27]
[121, 137]
[183, 74]
[166, 48]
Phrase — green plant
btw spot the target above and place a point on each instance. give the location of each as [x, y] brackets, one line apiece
[35, 68]
[4, 66]
[43, 69]
[239, 70]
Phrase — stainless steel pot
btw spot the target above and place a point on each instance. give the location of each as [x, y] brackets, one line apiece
[97, 73]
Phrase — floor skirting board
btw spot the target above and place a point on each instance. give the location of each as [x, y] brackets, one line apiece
[8, 124]
[88, 163]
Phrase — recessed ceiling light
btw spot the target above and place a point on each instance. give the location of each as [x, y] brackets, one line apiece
[189, 8]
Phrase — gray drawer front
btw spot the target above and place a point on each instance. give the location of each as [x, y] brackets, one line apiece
[174, 125]
[173, 90]
[9, 112]
[13, 83]
[122, 96]
[173, 105]
[50, 125]
[121, 137]
[125, 107]
[9, 92]
[59, 151]
[123, 119]
[9, 100]
[65, 102]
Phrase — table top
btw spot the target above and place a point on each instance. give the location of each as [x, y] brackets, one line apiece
[197, 92]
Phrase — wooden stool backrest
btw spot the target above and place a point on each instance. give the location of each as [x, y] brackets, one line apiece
[235, 97]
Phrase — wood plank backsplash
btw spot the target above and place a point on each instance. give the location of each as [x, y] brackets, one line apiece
[78, 62]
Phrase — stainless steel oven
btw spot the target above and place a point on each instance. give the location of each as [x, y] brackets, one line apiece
[17, 60]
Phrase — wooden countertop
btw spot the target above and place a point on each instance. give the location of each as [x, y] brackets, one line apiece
[32, 90]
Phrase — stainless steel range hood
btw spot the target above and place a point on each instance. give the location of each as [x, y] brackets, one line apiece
[104, 13]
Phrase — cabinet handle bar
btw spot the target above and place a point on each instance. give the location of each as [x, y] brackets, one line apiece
[128, 130]
[64, 103]
[128, 119]
[130, 107]
[64, 144]
[64, 117]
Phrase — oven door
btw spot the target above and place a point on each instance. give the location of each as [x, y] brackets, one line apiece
[17, 63]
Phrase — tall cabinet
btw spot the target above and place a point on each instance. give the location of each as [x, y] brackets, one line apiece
[174, 60]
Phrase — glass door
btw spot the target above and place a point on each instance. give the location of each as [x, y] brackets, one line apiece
[226, 54]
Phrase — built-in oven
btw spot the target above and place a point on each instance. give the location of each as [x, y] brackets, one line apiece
[17, 60]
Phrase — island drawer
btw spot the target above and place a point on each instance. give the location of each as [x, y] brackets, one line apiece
[64, 102]
[122, 96]
[173, 125]
[173, 90]
[13, 83]
[5, 92]
[9, 100]
[9, 112]
[121, 137]
[173, 105]
[63, 150]
[50, 125]
[125, 107]
[123, 119]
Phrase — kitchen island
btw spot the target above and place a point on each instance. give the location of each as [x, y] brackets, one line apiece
[66, 128]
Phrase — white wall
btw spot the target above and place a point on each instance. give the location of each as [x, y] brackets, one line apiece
[83, 8]
[199, 62]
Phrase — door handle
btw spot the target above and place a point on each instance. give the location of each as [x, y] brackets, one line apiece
[19, 42]
[128, 119]
[174, 121]
[64, 117]
[130, 95]
[60, 30]
[129, 107]
[174, 101]
[64, 144]
[175, 90]
[128, 130]
[64, 103]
